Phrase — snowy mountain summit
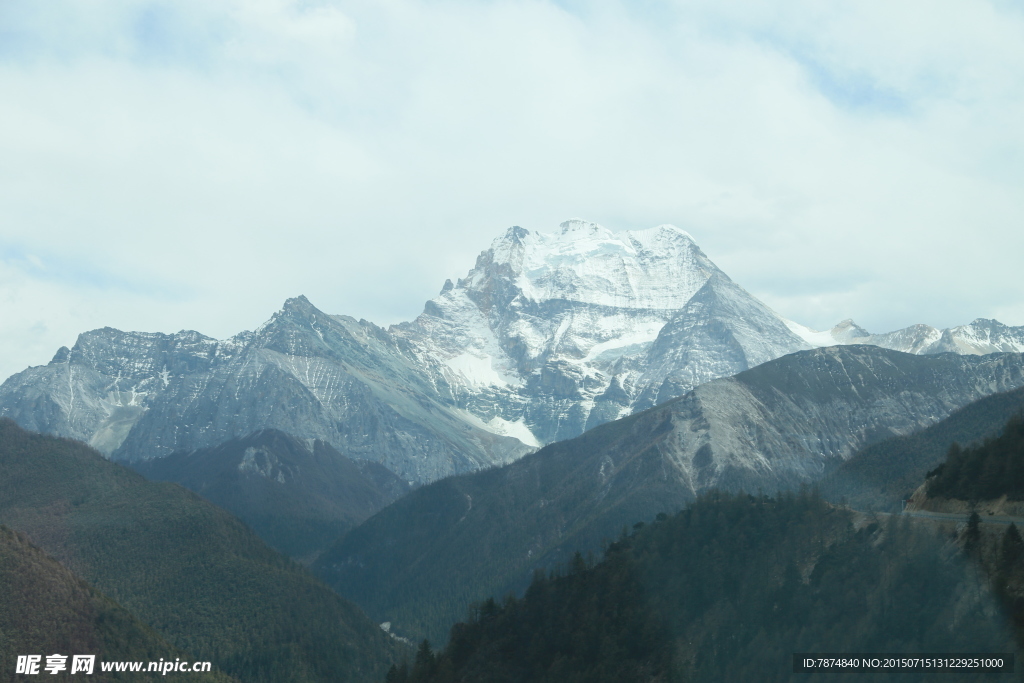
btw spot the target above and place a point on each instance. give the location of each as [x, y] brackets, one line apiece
[557, 332]
[548, 335]
[659, 268]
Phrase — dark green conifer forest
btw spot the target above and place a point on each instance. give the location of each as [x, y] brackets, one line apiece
[990, 470]
[45, 609]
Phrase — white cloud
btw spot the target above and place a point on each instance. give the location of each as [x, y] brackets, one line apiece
[191, 164]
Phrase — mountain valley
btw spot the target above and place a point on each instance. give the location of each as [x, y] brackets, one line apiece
[190, 571]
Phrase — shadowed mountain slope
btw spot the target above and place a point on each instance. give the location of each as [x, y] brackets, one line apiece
[298, 496]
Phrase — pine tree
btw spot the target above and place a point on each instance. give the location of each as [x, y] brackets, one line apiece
[972, 539]
[425, 663]
[1012, 549]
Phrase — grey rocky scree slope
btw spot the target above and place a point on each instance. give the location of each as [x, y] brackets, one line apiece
[421, 560]
[548, 335]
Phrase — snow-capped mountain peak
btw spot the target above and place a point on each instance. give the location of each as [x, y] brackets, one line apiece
[550, 329]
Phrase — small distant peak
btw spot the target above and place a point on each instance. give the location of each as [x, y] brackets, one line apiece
[62, 355]
[848, 330]
[508, 242]
[300, 306]
[448, 286]
[296, 308]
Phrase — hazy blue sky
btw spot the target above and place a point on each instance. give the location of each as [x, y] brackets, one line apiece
[192, 163]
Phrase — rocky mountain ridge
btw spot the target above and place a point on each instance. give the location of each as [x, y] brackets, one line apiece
[138, 395]
[979, 337]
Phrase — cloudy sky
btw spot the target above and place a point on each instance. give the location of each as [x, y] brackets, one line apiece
[192, 163]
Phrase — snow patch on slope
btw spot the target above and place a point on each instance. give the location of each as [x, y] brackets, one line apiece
[626, 342]
[517, 429]
[813, 337]
[477, 371]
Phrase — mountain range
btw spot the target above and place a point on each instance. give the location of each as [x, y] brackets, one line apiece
[549, 334]
[572, 384]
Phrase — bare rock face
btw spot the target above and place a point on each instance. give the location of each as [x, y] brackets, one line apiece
[782, 422]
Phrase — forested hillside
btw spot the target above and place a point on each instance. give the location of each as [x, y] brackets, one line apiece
[728, 590]
[992, 469]
[194, 573]
[45, 609]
